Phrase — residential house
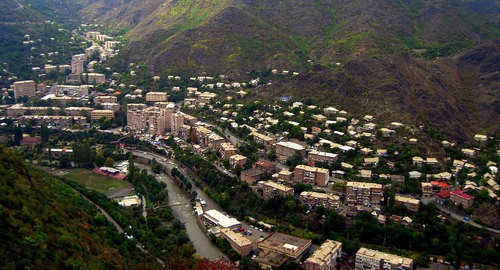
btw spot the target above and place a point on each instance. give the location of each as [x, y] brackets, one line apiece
[272, 189]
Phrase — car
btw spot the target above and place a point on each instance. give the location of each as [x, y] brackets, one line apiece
[467, 218]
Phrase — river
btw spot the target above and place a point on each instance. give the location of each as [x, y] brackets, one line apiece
[184, 212]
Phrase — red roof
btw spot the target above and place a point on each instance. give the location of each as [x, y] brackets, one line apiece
[443, 194]
[437, 183]
[462, 194]
[265, 164]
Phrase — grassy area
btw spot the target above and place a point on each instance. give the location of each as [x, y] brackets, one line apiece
[96, 181]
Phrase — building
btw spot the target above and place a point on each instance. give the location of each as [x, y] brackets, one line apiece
[156, 97]
[459, 197]
[313, 199]
[93, 78]
[368, 259]
[236, 160]
[77, 64]
[136, 118]
[105, 99]
[30, 142]
[285, 177]
[272, 189]
[177, 122]
[325, 257]
[24, 89]
[227, 149]
[285, 150]
[54, 121]
[241, 244]
[264, 165]
[323, 157]
[110, 106]
[411, 204]
[362, 196]
[214, 218]
[251, 176]
[19, 110]
[98, 114]
[311, 175]
[263, 139]
[78, 111]
[426, 189]
[278, 248]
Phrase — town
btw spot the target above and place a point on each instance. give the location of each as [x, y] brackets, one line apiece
[308, 163]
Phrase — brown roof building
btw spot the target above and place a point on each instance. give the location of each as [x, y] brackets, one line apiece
[272, 189]
[251, 176]
[311, 175]
[278, 248]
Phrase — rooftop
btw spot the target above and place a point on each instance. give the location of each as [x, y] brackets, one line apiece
[322, 254]
[292, 145]
[286, 244]
[221, 219]
[391, 258]
[363, 185]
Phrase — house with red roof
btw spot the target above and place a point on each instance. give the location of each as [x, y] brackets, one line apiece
[442, 197]
[459, 197]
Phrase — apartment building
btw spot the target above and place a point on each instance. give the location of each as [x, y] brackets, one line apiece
[459, 197]
[156, 97]
[316, 156]
[236, 160]
[362, 196]
[266, 166]
[285, 150]
[77, 63]
[325, 257]
[56, 121]
[202, 135]
[241, 244]
[19, 110]
[214, 140]
[78, 111]
[106, 99]
[368, 259]
[177, 122]
[263, 139]
[93, 78]
[411, 204]
[251, 176]
[272, 189]
[227, 149]
[24, 89]
[110, 106]
[98, 114]
[136, 118]
[284, 177]
[278, 248]
[311, 175]
[313, 199]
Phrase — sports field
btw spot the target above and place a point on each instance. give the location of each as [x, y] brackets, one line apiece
[96, 181]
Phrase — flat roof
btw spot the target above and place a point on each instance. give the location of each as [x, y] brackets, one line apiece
[391, 258]
[323, 154]
[310, 168]
[237, 238]
[320, 195]
[277, 186]
[286, 244]
[400, 198]
[364, 185]
[322, 254]
[292, 145]
[221, 219]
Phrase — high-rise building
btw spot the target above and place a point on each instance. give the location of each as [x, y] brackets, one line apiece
[24, 89]
[362, 196]
[77, 63]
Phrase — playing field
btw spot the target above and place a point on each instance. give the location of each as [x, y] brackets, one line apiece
[96, 181]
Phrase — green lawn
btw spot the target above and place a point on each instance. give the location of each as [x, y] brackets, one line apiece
[96, 181]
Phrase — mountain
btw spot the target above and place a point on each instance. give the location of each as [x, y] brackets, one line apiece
[242, 35]
[47, 225]
[457, 95]
[22, 11]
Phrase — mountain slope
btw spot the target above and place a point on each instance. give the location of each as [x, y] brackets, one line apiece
[46, 225]
[458, 96]
[322, 30]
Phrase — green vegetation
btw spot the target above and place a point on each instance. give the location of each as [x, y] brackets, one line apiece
[94, 181]
[47, 225]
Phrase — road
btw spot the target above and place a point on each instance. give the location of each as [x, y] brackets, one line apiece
[460, 217]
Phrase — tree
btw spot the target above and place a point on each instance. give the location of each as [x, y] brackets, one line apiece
[18, 135]
[44, 133]
[100, 160]
[109, 162]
